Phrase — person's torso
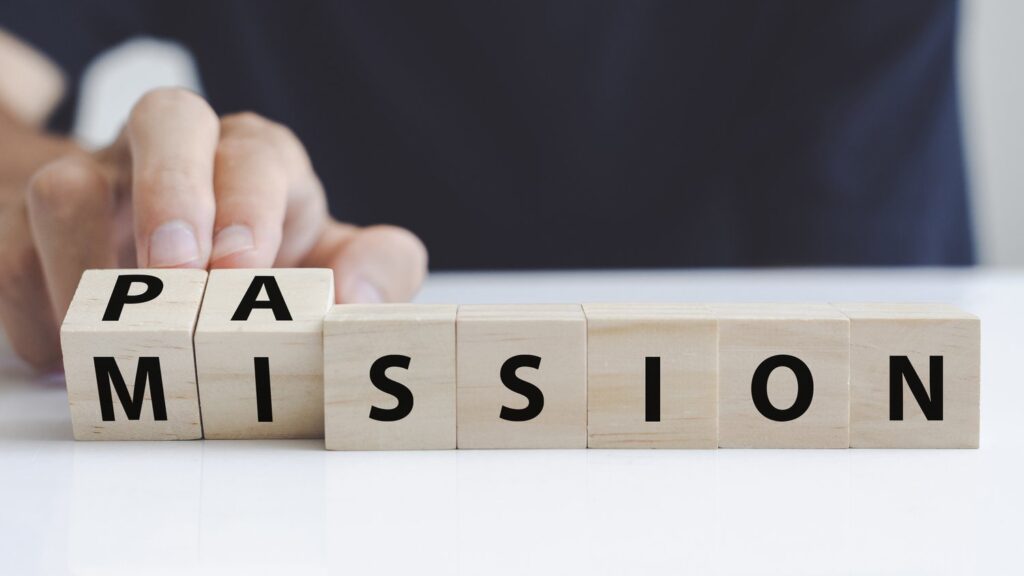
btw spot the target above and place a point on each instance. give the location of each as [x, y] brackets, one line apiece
[580, 134]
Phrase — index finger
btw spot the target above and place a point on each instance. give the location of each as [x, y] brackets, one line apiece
[172, 135]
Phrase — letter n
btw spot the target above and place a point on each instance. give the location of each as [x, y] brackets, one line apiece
[901, 369]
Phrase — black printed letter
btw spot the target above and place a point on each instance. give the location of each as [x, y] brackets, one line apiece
[264, 407]
[108, 374]
[653, 391]
[804, 393]
[396, 389]
[900, 369]
[251, 300]
[119, 296]
[533, 394]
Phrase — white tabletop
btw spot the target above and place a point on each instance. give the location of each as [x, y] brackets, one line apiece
[259, 507]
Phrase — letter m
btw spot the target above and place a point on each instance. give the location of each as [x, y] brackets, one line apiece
[109, 375]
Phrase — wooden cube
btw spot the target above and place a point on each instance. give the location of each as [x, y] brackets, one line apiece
[259, 353]
[652, 376]
[783, 376]
[128, 360]
[389, 377]
[914, 376]
[522, 376]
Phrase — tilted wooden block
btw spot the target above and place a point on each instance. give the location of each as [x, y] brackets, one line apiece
[389, 377]
[522, 376]
[259, 353]
[783, 376]
[652, 376]
[914, 376]
[128, 361]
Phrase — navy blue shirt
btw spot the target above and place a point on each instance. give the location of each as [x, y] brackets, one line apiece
[535, 134]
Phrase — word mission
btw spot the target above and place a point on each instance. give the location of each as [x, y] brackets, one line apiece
[255, 354]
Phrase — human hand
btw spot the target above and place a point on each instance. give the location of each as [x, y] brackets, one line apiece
[182, 188]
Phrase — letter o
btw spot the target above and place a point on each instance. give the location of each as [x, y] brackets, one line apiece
[804, 393]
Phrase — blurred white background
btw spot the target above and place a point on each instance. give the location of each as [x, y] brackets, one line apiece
[992, 89]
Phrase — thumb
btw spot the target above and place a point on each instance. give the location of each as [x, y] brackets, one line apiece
[374, 264]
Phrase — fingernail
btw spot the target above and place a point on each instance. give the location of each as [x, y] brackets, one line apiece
[173, 244]
[231, 240]
[362, 292]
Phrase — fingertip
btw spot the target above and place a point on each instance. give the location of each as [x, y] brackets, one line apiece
[174, 244]
[234, 240]
[239, 246]
[359, 290]
[381, 264]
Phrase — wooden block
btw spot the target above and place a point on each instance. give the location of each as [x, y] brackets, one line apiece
[259, 353]
[896, 349]
[652, 376]
[128, 360]
[522, 376]
[783, 376]
[389, 377]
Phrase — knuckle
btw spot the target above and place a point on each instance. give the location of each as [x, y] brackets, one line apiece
[281, 136]
[235, 147]
[243, 122]
[237, 152]
[59, 188]
[169, 96]
[160, 100]
[249, 125]
[174, 183]
[169, 180]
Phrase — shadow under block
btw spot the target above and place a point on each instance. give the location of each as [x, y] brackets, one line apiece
[521, 376]
[783, 376]
[927, 344]
[132, 376]
[652, 376]
[389, 377]
[259, 352]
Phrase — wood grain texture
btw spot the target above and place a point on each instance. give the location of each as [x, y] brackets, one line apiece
[160, 328]
[487, 336]
[355, 337]
[226, 349]
[917, 331]
[817, 334]
[684, 339]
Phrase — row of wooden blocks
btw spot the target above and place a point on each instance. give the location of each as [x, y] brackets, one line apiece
[239, 354]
